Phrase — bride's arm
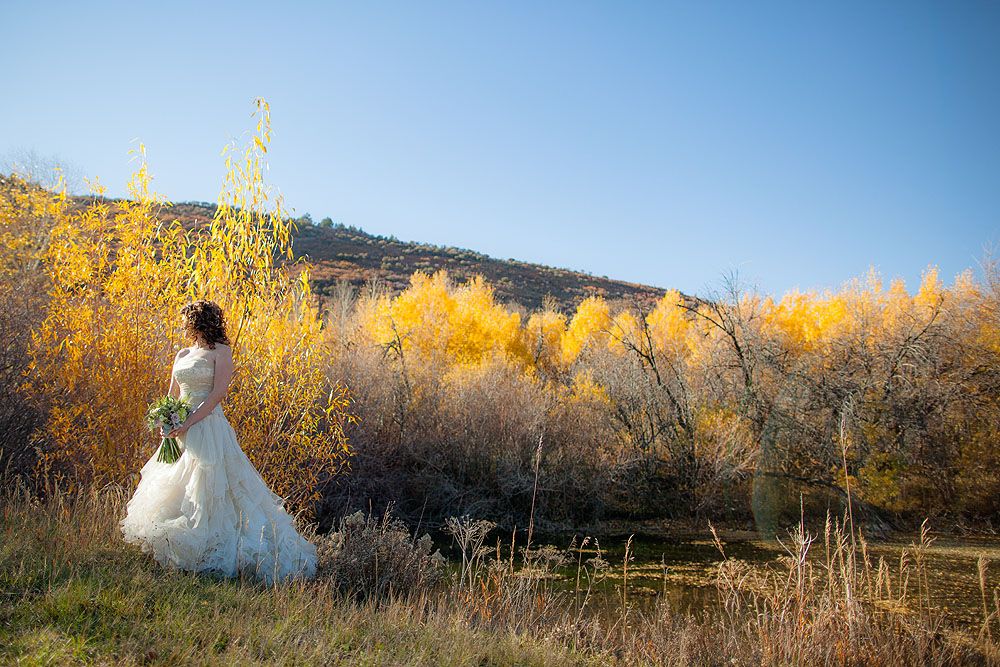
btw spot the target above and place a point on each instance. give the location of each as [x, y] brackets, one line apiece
[223, 376]
[175, 389]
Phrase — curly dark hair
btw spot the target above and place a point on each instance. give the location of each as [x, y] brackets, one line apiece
[205, 324]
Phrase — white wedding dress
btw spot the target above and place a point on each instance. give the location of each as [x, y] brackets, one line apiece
[210, 511]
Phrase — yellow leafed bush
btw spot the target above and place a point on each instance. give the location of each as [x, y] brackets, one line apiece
[670, 405]
[119, 276]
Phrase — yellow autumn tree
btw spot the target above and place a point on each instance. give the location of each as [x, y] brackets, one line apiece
[591, 322]
[435, 319]
[119, 276]
[670, 323]
[805, 321]
[543, 333]
[27, 215]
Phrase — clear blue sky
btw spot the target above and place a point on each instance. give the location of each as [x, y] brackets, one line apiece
[663, 142]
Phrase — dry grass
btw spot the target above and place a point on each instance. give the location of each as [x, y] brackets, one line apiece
[74, 593]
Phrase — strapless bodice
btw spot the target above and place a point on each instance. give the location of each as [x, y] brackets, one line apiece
[195, 374]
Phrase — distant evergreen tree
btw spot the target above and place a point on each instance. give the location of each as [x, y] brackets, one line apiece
[326, 223]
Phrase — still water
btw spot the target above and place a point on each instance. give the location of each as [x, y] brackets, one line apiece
[682, 570]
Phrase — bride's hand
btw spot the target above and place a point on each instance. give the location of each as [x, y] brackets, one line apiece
[180, 430]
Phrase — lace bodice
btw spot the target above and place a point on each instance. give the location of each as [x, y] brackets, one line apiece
[195, 374]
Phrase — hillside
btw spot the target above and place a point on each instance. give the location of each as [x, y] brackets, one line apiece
[349, 254]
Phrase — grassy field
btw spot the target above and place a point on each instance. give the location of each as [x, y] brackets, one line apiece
[72, 592]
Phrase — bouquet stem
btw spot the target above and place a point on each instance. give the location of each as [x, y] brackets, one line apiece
[169, 451]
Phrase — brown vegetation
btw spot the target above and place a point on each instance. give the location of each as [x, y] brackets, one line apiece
[74, 593]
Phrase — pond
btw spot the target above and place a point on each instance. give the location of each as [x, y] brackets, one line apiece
[682, 570]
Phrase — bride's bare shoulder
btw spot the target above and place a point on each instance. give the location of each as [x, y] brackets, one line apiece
[183, 352]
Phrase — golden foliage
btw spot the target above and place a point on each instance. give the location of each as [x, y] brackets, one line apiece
[26, 215]
[680, 393]
[591, 322]
[437, 320]
[103, 351]
[695, 401]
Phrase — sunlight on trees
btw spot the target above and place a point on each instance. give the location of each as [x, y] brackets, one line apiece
[119, 273]
[655, 409]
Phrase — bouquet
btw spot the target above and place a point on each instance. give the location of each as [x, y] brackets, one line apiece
[166, 414]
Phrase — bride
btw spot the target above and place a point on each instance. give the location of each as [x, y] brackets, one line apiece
[210, 511]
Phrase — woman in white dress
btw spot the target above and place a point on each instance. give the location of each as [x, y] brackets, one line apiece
[210, 511]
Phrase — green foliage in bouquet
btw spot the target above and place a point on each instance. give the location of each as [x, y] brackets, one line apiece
[164, 415]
